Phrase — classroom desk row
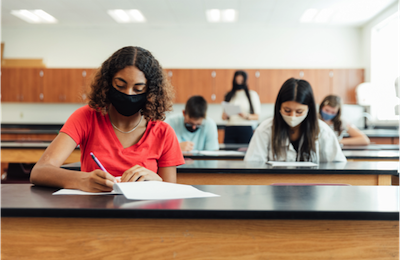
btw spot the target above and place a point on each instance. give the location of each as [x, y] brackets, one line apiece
[253, 222]
[30, 152]
[227, 172]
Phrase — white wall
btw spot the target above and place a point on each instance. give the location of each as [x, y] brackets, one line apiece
[301, 46]
[366, 38]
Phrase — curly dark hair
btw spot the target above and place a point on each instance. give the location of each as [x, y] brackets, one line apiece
[159, 91]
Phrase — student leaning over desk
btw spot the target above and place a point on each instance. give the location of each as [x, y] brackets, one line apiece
[294, 133]
[122, 126]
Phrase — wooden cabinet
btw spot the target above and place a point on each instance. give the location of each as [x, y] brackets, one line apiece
[73, 85]
[64, 85]
[21, 85]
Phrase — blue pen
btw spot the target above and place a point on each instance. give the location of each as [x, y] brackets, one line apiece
[98, 162]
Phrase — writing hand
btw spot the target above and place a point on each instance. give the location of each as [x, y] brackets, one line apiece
[186, 146]
[96, 181]
[139, 173]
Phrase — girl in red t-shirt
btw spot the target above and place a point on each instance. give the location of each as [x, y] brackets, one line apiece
[122, 126]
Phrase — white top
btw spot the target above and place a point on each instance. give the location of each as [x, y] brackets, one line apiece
[240, 99]
[327, 146]
[344, 127]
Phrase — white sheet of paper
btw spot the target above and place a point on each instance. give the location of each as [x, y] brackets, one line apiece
[230, 109]
[147, 190]
[79, 192]
[222, 153]
[158, 190]
[291, 164]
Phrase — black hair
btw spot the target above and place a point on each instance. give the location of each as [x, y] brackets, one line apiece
[301, 92]
[196, 107]
[159, 94]
[236, 87]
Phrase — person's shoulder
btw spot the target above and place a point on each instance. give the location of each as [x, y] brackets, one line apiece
[209, 122]
[324, 128]
[174, 119]
[266, 125]
[160, 127]
[85, 111]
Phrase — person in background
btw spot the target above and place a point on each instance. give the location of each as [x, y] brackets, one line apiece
[330, 111]
[122, 126]
[239, 128]
[294, 133]
[194, 130]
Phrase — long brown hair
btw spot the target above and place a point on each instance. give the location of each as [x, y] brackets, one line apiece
[159, 94]
[333, 101]
[301, 92]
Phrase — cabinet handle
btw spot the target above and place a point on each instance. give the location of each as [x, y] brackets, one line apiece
[213, 97]
[41, 96]
[301, 74]
[213, 74]
[170, 74]
[41, 73]
[83, 97]
[331, 74]
[84, 73]
[257, 74]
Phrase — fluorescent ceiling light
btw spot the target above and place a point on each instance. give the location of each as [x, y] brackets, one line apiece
[308, 15]
[228, 15]
[213, 15]
[225, 16]
[34, 16]
[127, 16]
[323, 16]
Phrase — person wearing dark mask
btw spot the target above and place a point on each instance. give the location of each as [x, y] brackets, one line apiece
[194, 130]
[330, 111]
[122, 125]
[294, 133]
[239, 128]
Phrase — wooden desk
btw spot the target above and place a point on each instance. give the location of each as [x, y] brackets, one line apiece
[245, 222]
[225, 172]
[29, 152]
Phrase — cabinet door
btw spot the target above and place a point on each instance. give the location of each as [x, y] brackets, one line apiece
[253, 79]
[269, 84]
[320, 82]
[74, 85]
[202, 84]
[63, 85]
[223, 83]
[354, 78]
[21, 85]
[88, 76]
[181, 81]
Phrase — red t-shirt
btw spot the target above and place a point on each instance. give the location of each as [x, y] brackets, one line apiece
[93, 131]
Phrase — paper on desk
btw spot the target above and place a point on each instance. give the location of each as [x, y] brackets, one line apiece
[79, 192]
[291, 164]
[222, 153]
[147, 190]
[230, 109]
[158, 190]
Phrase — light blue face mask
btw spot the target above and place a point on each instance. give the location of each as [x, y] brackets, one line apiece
[326, 116]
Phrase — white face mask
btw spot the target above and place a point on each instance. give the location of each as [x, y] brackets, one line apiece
[293, 121]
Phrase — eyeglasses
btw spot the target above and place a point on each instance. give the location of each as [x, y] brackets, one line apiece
[191, 125]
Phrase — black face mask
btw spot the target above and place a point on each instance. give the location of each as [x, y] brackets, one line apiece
[189, 127]
[239, 87]
[126, 105]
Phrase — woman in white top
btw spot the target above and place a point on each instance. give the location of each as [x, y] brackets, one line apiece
[294, 133]
[239, 128]
[330, 112]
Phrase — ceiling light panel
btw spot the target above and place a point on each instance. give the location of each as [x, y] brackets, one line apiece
[127, 16]
[34, 16]
[225, 15]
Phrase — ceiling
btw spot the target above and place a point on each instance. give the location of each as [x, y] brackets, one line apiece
[353, 13]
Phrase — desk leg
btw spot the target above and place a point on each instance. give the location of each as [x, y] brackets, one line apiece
[385, 180]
